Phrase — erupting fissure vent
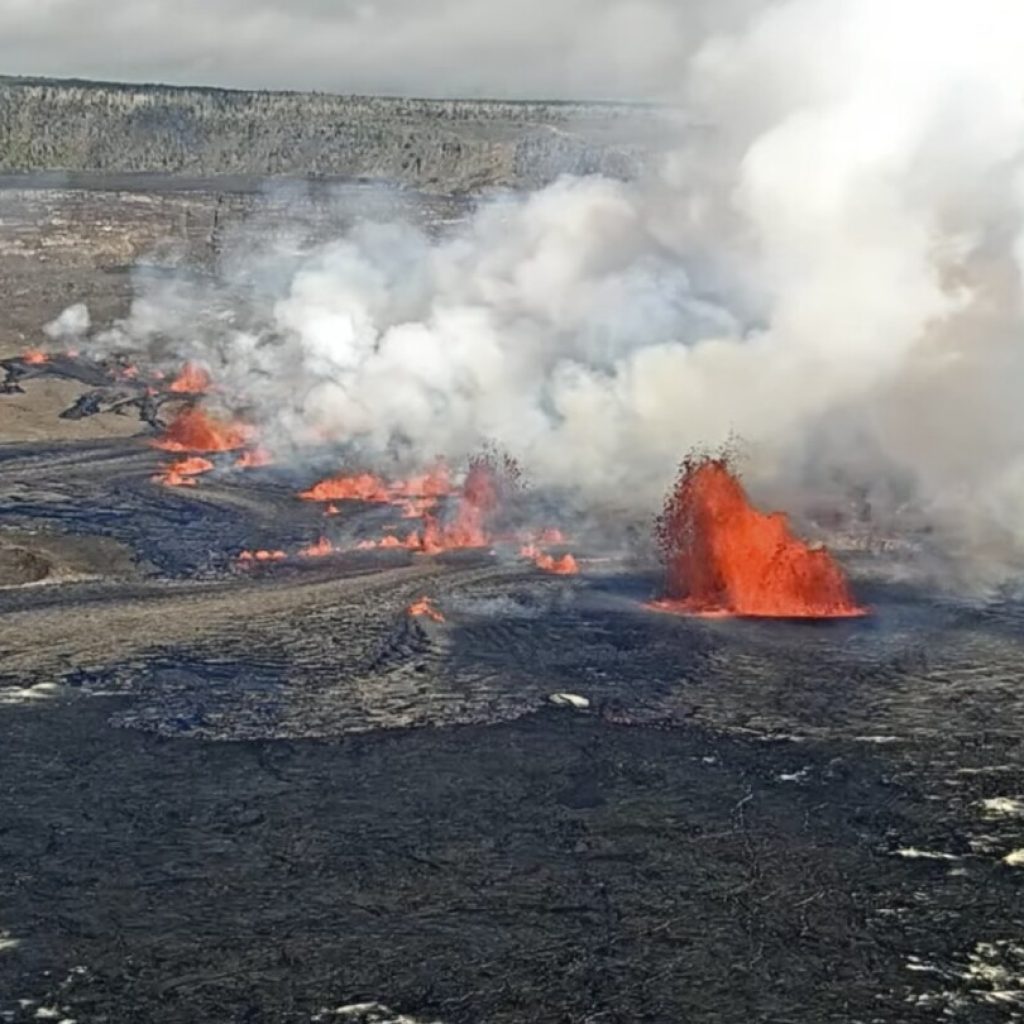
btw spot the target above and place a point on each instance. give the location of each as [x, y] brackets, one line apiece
[192, 430]
[724, 557]
[183, 472]
[193, 379]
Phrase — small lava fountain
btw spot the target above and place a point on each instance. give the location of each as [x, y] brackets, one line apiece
[193, 379]
[192, 430]
[724, 557]
[425, 607]
[183, 472]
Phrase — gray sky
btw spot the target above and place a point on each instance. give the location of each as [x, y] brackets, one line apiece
[514, 48]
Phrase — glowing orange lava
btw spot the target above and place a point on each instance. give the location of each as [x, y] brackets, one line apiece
[416, 493]
[424, 606]
[192, 430]
[358, 487]
[183, 472]
[417, 508]
[34, 357]
[412, 542]
[464, 523]
[566, 565]
[250, 557]
[193, 379]
[468, 528]
[318, 550]
[724, 557]
[435, 483]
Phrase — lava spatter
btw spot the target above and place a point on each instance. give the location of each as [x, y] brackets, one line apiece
[262, 555]
[183, 472]
[193, 430]
[564, 565]
[319, 549]
[724, 557]
[425, 607]
[193, 379]
[355, 487]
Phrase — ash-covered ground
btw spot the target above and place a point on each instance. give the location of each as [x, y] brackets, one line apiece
[273, 794]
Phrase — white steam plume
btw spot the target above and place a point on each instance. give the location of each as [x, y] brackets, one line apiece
[834, 273]
[70, 326]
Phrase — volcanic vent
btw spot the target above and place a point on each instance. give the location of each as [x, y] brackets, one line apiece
[724, 557]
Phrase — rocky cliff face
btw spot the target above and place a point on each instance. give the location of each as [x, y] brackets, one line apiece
[442, 145]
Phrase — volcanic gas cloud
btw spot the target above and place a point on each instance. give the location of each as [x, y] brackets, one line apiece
[724, 557]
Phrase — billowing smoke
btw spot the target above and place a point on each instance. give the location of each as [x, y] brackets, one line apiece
[833, 273]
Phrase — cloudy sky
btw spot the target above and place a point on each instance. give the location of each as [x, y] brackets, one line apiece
[505, 48]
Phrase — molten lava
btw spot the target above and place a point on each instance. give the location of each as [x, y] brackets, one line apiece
[724, 557]
[566, 565]
[193, 431]
[318, 550]
[193, 379]
[417, 493]
[467, 527]
[183, 472]
[359, 487]
[424, 606]
[435, 483]
[34, 357]
[417, 508]
[250, 557]
[412, 542]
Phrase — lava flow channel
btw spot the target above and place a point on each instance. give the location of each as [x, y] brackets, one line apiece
[724, 557]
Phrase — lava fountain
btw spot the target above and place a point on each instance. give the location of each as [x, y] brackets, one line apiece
[183, 472]
[193, 379]
[192, 430]
[724, 557]
[425, 607]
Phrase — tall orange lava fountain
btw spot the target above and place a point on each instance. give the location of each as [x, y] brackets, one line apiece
[724, 557]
